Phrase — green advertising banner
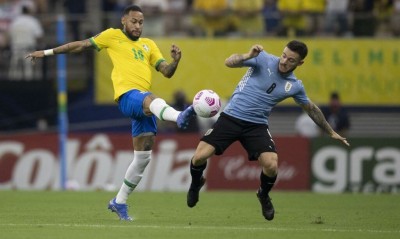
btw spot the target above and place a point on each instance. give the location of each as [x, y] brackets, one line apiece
[365, 72]
[370, 165]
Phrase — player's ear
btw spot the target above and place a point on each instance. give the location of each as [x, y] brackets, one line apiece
[300, 63]
[123, 20]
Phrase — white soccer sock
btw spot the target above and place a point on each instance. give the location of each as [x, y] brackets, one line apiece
[133, 175]
[163, 111]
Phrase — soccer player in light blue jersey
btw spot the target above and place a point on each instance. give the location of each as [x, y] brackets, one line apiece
[268, 81]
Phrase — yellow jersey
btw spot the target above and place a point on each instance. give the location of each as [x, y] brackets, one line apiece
[131, 60]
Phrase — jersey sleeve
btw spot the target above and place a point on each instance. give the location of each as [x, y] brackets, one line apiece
[301, 97]
[262, 57]
[102, 39]
[156, 56]
[250, 62]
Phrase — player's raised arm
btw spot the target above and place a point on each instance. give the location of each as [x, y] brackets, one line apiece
[318, 117]
[71, 47]
[168, 70]
[236, 60]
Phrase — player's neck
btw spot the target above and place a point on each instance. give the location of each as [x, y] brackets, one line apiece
[286, 74]
[130, 37]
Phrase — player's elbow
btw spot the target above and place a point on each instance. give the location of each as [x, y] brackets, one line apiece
[231, 62]
[168, 75]
[228, 63]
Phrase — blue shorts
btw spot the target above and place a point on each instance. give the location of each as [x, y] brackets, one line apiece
[131, 105]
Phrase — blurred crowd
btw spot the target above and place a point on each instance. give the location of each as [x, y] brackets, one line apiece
[225, 17]
[355, 18]
[26, 25]
[22, 22]
[255, 18]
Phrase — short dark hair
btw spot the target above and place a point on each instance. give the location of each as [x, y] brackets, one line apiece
[298, 47]
[130, 8]
[26, 10]
[334, 95]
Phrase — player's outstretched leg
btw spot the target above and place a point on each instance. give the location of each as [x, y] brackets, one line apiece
[120, 209]
[193, 193]
[267, 208]
[185, 116]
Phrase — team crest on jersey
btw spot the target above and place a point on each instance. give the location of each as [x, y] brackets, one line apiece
[145, 47]
[288, 86]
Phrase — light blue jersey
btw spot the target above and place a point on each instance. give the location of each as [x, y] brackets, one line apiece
[261, 88]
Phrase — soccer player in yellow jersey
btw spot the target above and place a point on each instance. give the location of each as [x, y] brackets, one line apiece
[132, 58]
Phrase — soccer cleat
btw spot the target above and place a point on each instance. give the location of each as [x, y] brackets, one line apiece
[193, 193]
[120, 209]
[185, 116]
[267, 208]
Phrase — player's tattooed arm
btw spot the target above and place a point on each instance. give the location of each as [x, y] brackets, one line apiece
[236, 60]
[318, 117]
[71, 47]
[168, 70]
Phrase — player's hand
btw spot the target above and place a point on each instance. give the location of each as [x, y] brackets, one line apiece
[338, 137]
[33, 55]
[255, 50]
[176, 53]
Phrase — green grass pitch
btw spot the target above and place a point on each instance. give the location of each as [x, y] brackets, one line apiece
[75, 215]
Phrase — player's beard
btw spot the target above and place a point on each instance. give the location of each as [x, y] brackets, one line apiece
[130, 34]
[287, 72]
[135, 37]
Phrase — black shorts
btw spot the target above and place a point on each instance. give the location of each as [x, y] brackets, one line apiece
[255, 138]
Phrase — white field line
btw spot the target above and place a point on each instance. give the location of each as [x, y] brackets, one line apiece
[275, 229]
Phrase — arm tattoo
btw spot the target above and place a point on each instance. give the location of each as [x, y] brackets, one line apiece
[73, 47]
[234, 60]
[168, 70]
[318, 117]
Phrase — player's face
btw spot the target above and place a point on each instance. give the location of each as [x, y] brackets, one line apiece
[288, 61]
[133, 24]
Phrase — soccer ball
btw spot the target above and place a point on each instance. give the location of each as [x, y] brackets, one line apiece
[206, 103]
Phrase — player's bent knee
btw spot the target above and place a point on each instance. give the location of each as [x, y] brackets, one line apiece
[269, 162]
[197, 161]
